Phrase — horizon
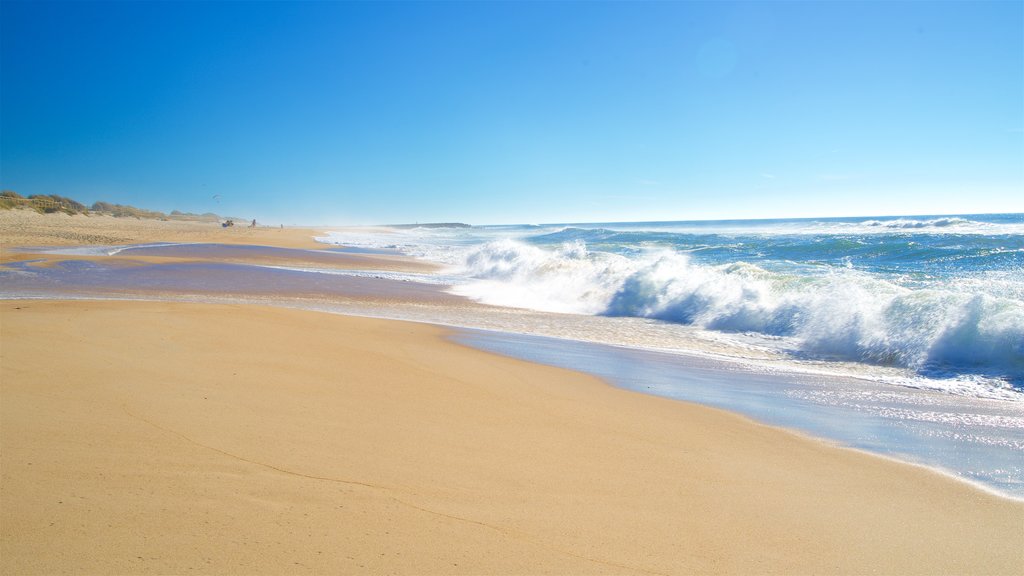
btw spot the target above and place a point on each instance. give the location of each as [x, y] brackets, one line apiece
[583, 222]
[576, 222]
[694, 220]
[517, 113]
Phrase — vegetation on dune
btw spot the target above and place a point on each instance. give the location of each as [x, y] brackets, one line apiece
[52, 203]
[42, 203]
[124, 211]
[204, 217]
[11, 199]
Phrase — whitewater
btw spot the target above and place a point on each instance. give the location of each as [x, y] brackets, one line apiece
[922, 301]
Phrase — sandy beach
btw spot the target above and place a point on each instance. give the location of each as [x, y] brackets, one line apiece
[172, 438]
[29, 228]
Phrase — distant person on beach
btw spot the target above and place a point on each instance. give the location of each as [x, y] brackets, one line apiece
[253, 225]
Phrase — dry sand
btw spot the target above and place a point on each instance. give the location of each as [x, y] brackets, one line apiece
[29, 228]
[183, 438]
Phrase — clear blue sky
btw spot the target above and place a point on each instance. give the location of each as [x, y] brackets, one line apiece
[517, 112]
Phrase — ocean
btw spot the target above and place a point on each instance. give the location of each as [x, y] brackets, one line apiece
[903, 336]
[927, 301]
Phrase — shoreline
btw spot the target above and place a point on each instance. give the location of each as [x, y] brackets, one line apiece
[744, 388]
[498, 457]
[135, 324]
[390, 286]
[994, 467]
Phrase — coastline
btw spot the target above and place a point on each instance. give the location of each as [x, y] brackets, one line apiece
[445, 459]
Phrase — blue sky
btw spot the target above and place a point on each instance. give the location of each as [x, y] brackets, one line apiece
[324, 112]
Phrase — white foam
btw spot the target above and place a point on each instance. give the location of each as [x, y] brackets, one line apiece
[842, 313]
[964, 335]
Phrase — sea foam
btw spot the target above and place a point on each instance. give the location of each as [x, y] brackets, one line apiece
[838, 313]
[919, 224]
[939, 296]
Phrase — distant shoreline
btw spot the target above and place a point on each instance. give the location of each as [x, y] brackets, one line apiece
[430, 225]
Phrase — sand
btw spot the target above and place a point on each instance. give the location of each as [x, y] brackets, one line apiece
[172, 438]
[175, 438]
[27, 228]
[21, 227]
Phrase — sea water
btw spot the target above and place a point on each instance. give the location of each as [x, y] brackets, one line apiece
[932, 301]
[903, 336]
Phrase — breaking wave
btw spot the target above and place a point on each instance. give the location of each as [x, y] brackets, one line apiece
[905, 223]
[836, 314]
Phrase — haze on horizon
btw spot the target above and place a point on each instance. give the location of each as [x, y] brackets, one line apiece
[490, 113]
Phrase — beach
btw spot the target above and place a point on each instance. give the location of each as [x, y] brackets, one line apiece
[28, 228]
[172, 437]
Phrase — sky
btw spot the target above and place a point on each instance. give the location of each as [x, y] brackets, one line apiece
[491, 113]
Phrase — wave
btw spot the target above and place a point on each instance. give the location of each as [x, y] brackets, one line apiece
[1006, 224]
[568, 278]
[907, 223]
[570, 233]
[838, 314]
